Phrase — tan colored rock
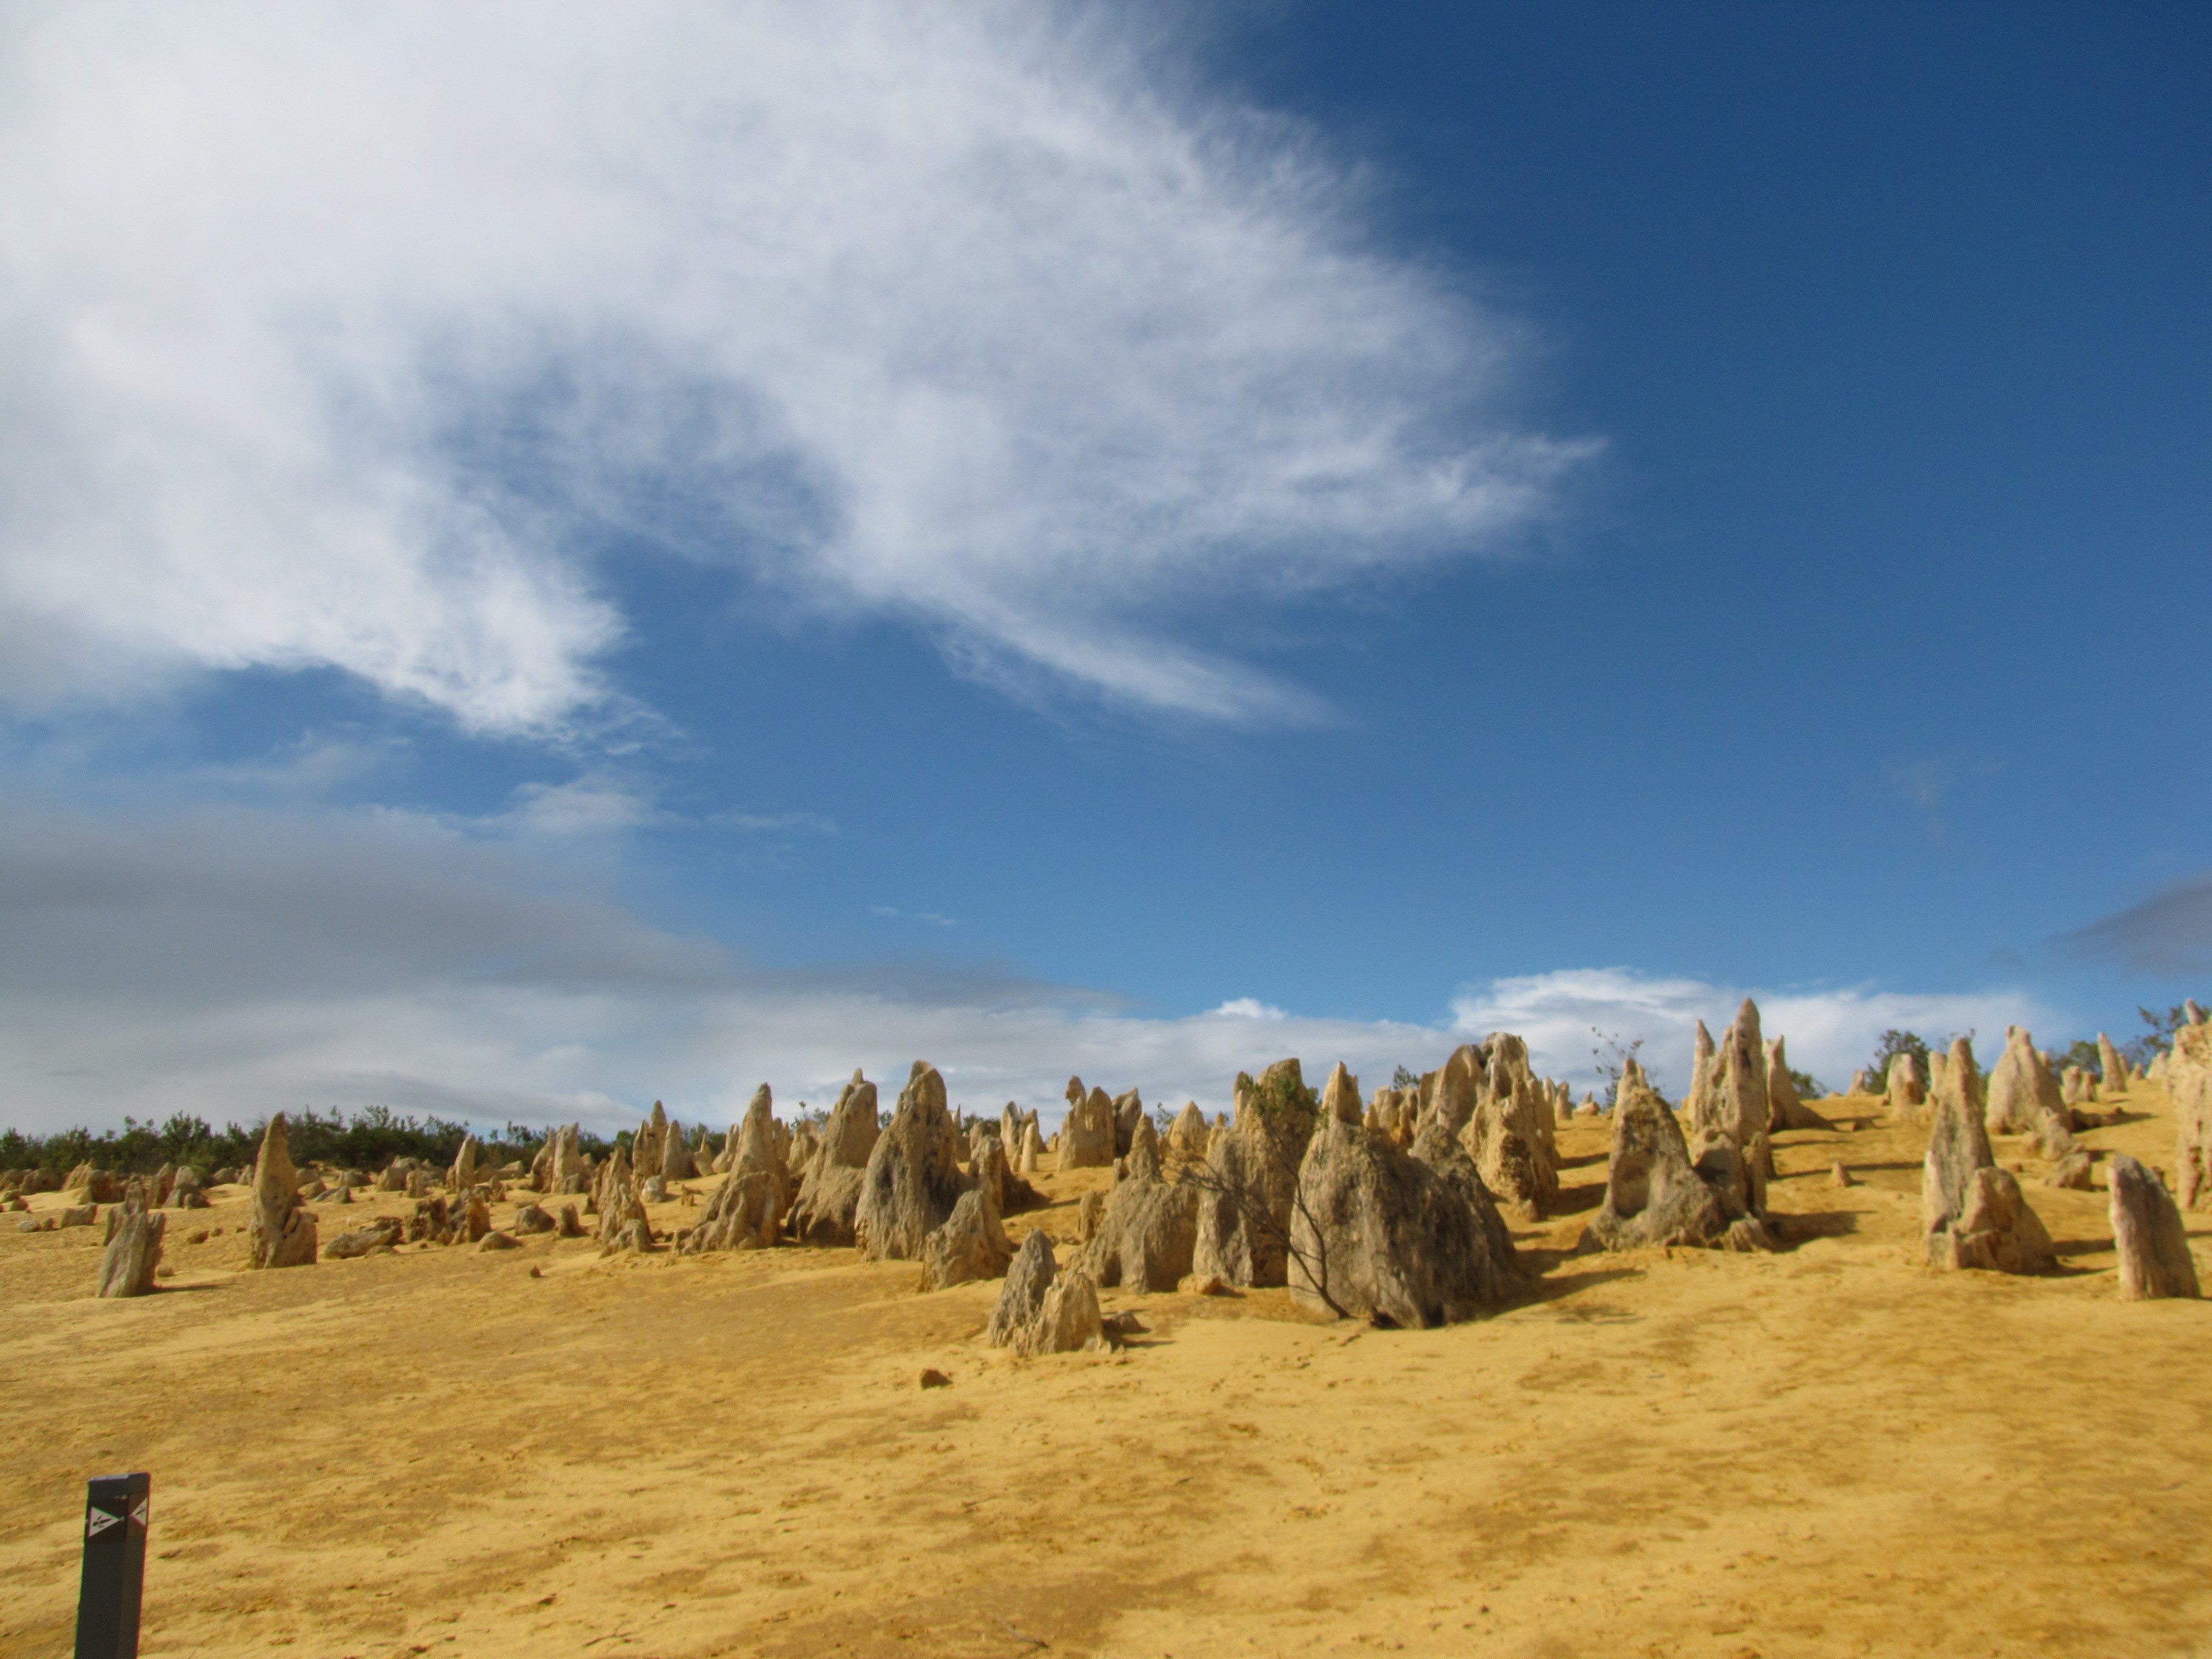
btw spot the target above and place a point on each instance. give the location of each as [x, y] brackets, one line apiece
[1410, 1239]
[1863, 1082]
[747, 1210]
[384, 1233]
[1509, 1133]
[1698, 1108]
[2024, 1097]
[913, 1177]
[1907, 1096]
[1129, 1113]
[1972, 1213]
[829, 1195]
[2075, 1170]
[677, 1163]
[615, 1198]
[1146, 1228]
[972, 1244]
[281, 1232]
[133, 1250]
[1068, 1320]
[493, 1239]
[1186, 1139]
[1032, 1150]
[648, 1147]
[1840, 1176]
[2189, 1084]
[1087, 1133]
[2148, 1232]
[571, 1224]
[463, 1175]
[1021, 1299]
[1249, 1183]
[1654, 1194]
[1784, 1109]
[2115, 1069]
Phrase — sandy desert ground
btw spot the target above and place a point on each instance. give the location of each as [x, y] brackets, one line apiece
[1829, 1451]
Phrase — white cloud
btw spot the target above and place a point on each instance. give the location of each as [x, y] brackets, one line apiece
[1829, 1032]
[339, 335]
[231, 963]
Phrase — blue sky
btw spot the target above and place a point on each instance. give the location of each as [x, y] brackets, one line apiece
[544, 568]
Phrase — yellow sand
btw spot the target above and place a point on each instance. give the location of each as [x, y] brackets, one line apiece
[1830, 1451]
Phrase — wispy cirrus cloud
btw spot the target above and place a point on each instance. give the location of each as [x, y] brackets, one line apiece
[354, 337]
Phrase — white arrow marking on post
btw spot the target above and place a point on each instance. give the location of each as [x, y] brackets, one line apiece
[139, 1513]
[98, 1521]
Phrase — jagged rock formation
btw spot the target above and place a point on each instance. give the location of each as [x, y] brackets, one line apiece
[1508, 1129]
[281, 1232]
[2025, 1097]
[648, 1147]
[2077, 1086]
[1021, 1298]
[1402, 1238]
[1396, 1113]
[1784, 1109]
[1972, 1212]
[829, 1186]
[559, 1157]
[747, 1210]
[133, 1250]
[1187, 1137]
[1146, 1231]
[615, 1198]
[531, 1219]
[971, 1244]
[1250, 1180]
[2148, 1233]
[913, 1178]
[1906, 1096]
[2189, 1081]
[1654, 1194]
[1087, 1133]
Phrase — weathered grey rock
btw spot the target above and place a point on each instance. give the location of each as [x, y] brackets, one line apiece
[1087, 1134]
[77, 1215]
[1654, 1194]
[1907, 1095]
[1021, 1299]
[653, 1190]
[830, 1187]
[531, 1219]
[571, 1224]
[747, 1210]
[1187, 1137]
[2148, 1232]
[1089, 1209]
[1382, 1234]
[1785, 1109]
[1972, 1214]
[134, 1246]
[281, 1232]
[1250, 1181]
[2188, 1083]
[675, 1160]
[2024, 1097]
[2115, 1069]
[913, 1177]
[493, 1239]
[1740, 1083]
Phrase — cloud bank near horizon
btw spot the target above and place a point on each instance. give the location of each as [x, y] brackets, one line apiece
[231, 963]
[362, 338]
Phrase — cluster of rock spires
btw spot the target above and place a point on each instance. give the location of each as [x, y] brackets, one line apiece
[1393, 1212]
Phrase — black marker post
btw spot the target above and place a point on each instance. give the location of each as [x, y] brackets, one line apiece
[114, 1566]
